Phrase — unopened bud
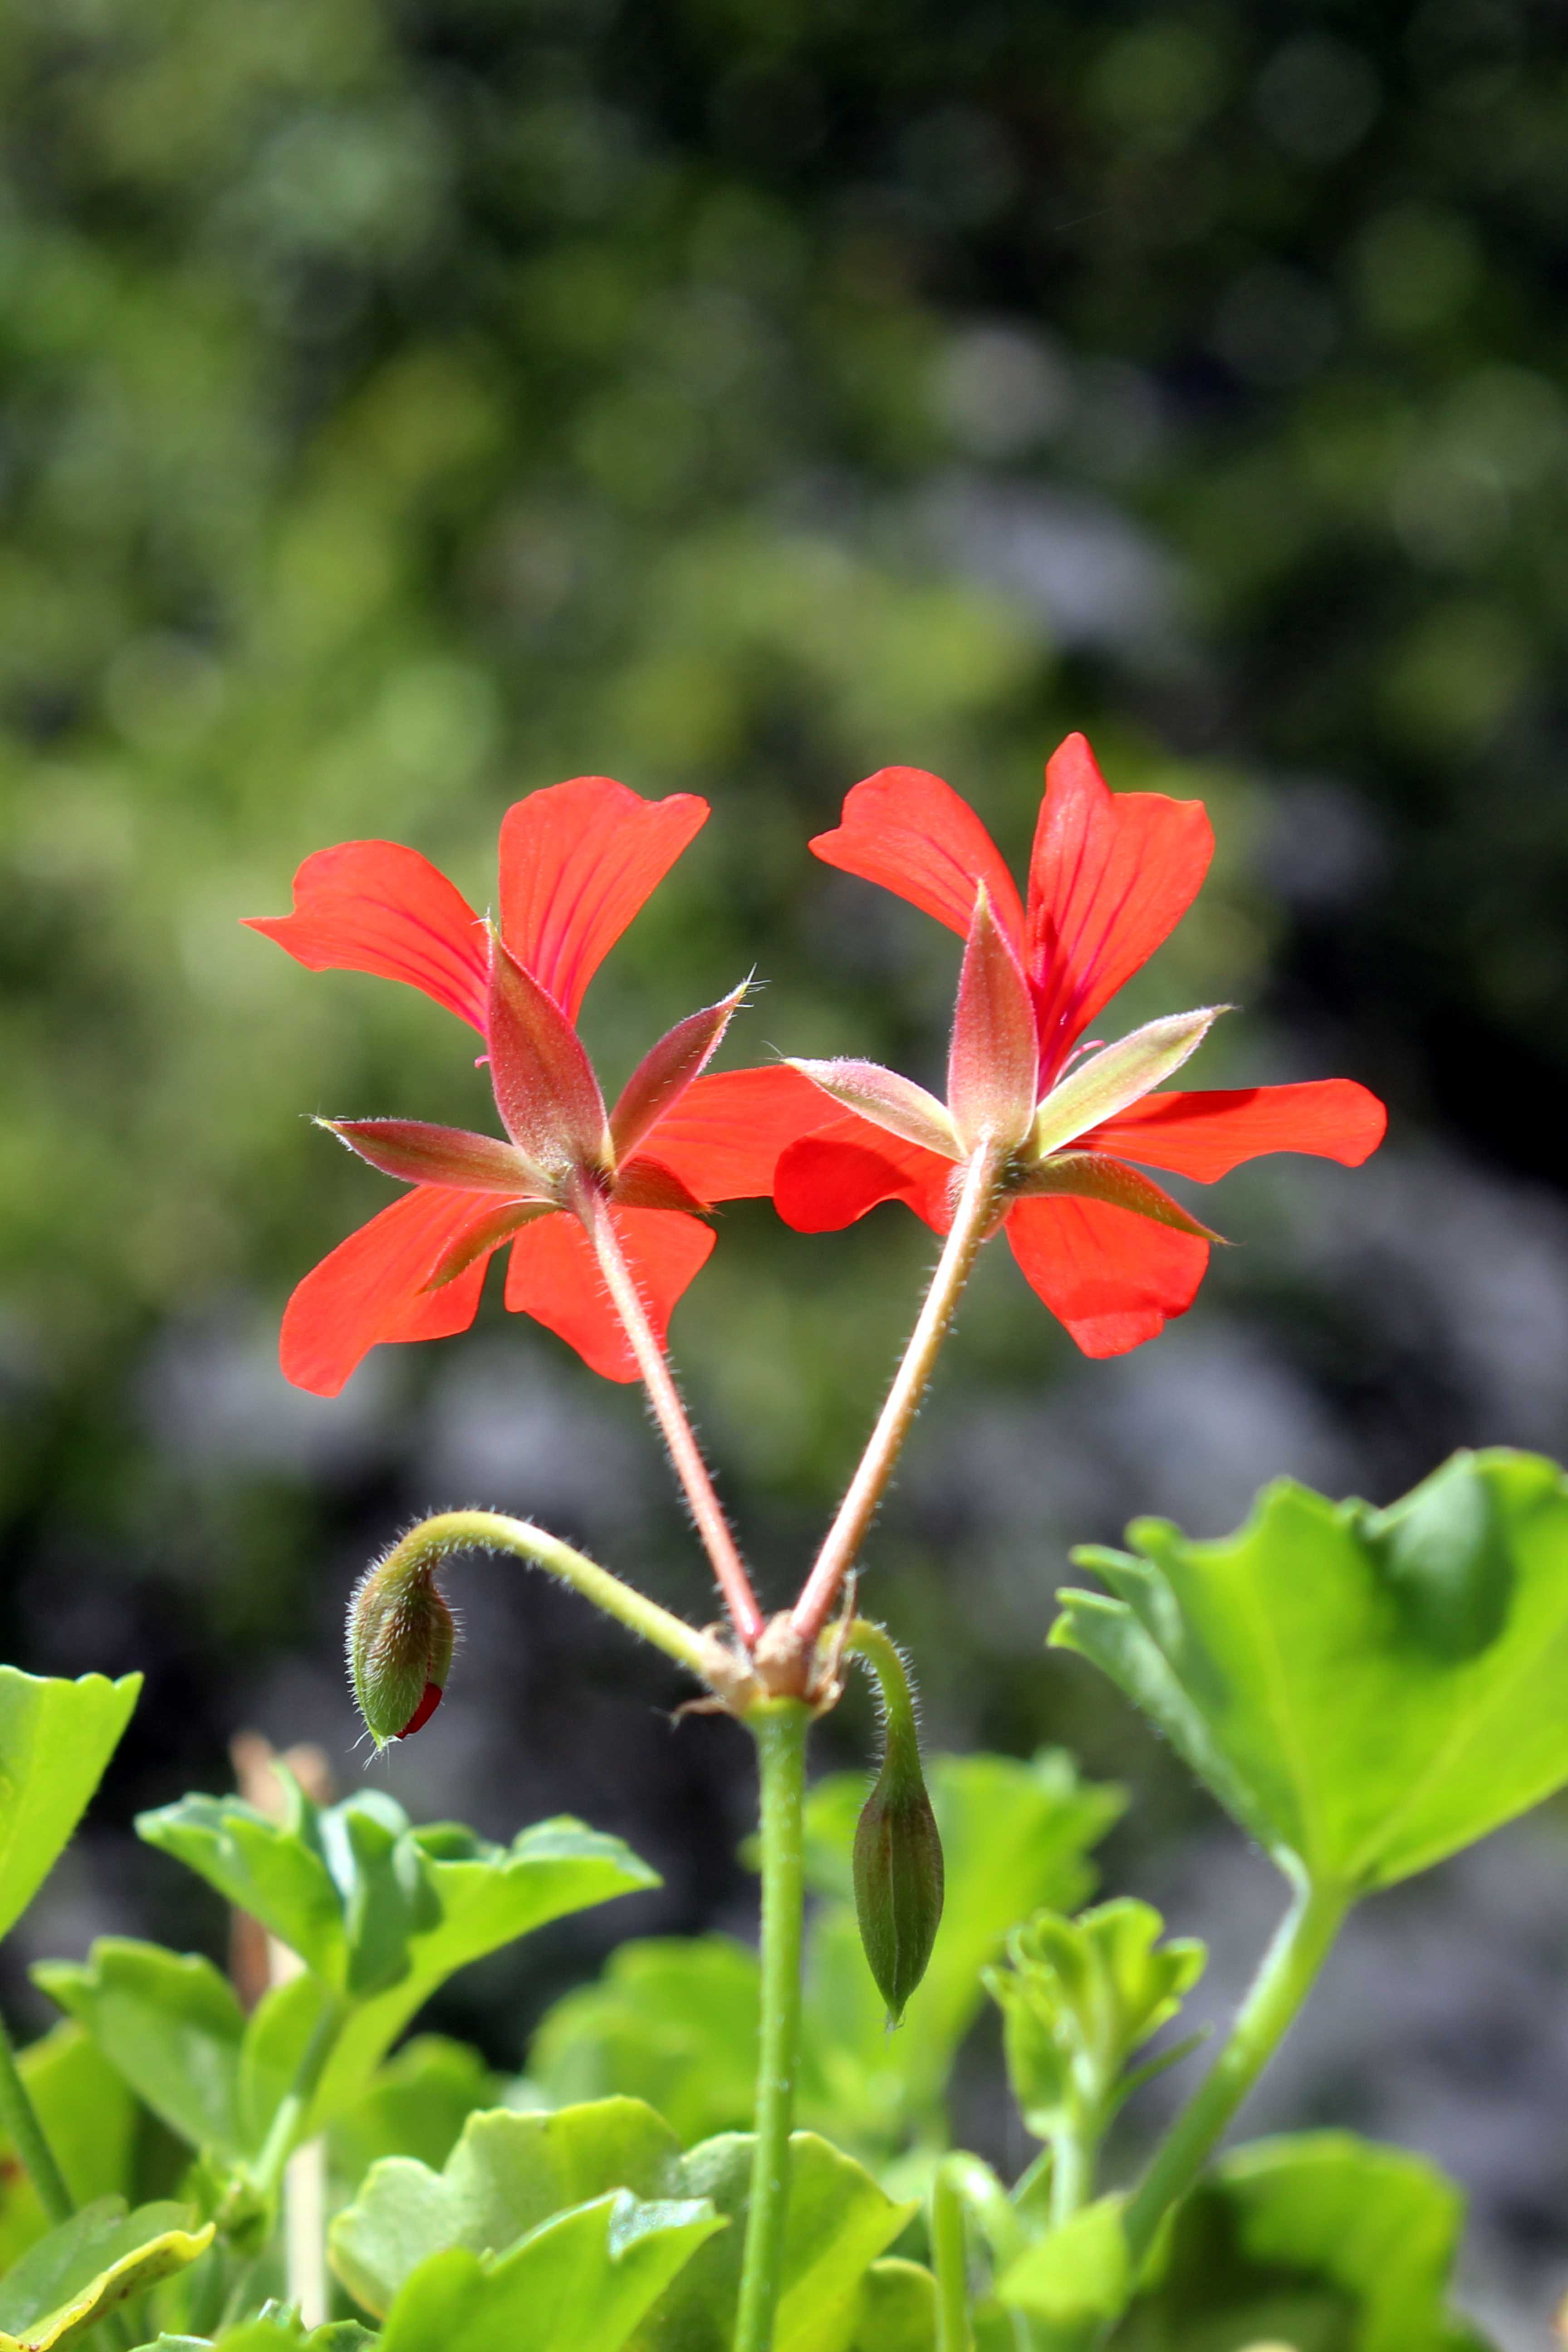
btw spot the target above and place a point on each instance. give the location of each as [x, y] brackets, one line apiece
[401, 1633]
[898, 1868]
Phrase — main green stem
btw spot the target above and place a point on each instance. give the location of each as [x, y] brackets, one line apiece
[19, 2122]
[1288, 1969]
[779, 1726]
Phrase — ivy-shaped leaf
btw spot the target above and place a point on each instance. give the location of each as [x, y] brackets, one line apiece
[506, 2174]
[1322, 2240]
[1365, 1691]
[90, 2266]
[840, 2221]
[170, 2024]
[380, 1914]
[579, 2282]
[56, 1737]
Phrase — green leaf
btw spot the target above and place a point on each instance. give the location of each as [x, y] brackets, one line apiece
[1323, 2241]
[380, 1913]
[56, 1737]
[898, 2309]
[580, 2282]
[840, 2221]
[673, 2021]
[414, 2105]
[1072, 2282]
[170, 2024]
[1078, 1998]
[506, 2174]
[90, 2121]
[89, 2266]
[1365, 1691]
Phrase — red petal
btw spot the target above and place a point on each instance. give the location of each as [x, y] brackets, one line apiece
[1111, 876]
[724, 1136]
[1112, 1278]
[374, 906]
[578, 861]
[1207, 1135]
[371, 1288]
[826, 1180]
[554, 1276]
[430, 1699]
[911, 833]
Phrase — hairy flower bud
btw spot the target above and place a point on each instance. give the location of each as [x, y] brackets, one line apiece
[897, 1864]
[401, 1633]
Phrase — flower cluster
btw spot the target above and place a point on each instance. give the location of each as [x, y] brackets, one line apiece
[1064, 1129]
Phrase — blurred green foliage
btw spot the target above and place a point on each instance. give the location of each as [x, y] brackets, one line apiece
[407, 403]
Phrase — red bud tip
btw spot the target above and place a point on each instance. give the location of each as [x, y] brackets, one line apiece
[423, 1712]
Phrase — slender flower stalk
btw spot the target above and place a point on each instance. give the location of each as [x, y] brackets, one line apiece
[971, 1223]
[779, 1726]
[389, 1648]
[950, 2261]
[1286, 1975]
[669, 1412]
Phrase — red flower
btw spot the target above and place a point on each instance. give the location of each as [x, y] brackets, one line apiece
[578, 861]
[1110, 1253]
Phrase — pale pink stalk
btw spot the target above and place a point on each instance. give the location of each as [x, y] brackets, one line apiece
[971, 1223]
[670, 1414]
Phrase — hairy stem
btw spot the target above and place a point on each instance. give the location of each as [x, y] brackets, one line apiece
[493, 1531]
[680, 1437]
[1284, 1979]
[950, 2261]
[19, 2122]
[971, 1223]
[779, 1725]
[875, 1646]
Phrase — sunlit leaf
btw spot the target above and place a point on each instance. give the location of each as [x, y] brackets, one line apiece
[506, 2174]
[898, 2309]
[56, 1737]
[383, 1913]
[1323, 2240]
[89, 2266]
[1365, 1691]
[170, 2024]
[839, 2222]
[580, 2282]
[1072, 2282]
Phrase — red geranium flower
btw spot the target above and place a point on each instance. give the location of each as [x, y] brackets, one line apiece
[1112, 1255]
[578, 861]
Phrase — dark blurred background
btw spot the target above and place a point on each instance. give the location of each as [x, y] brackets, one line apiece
[405, 406]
